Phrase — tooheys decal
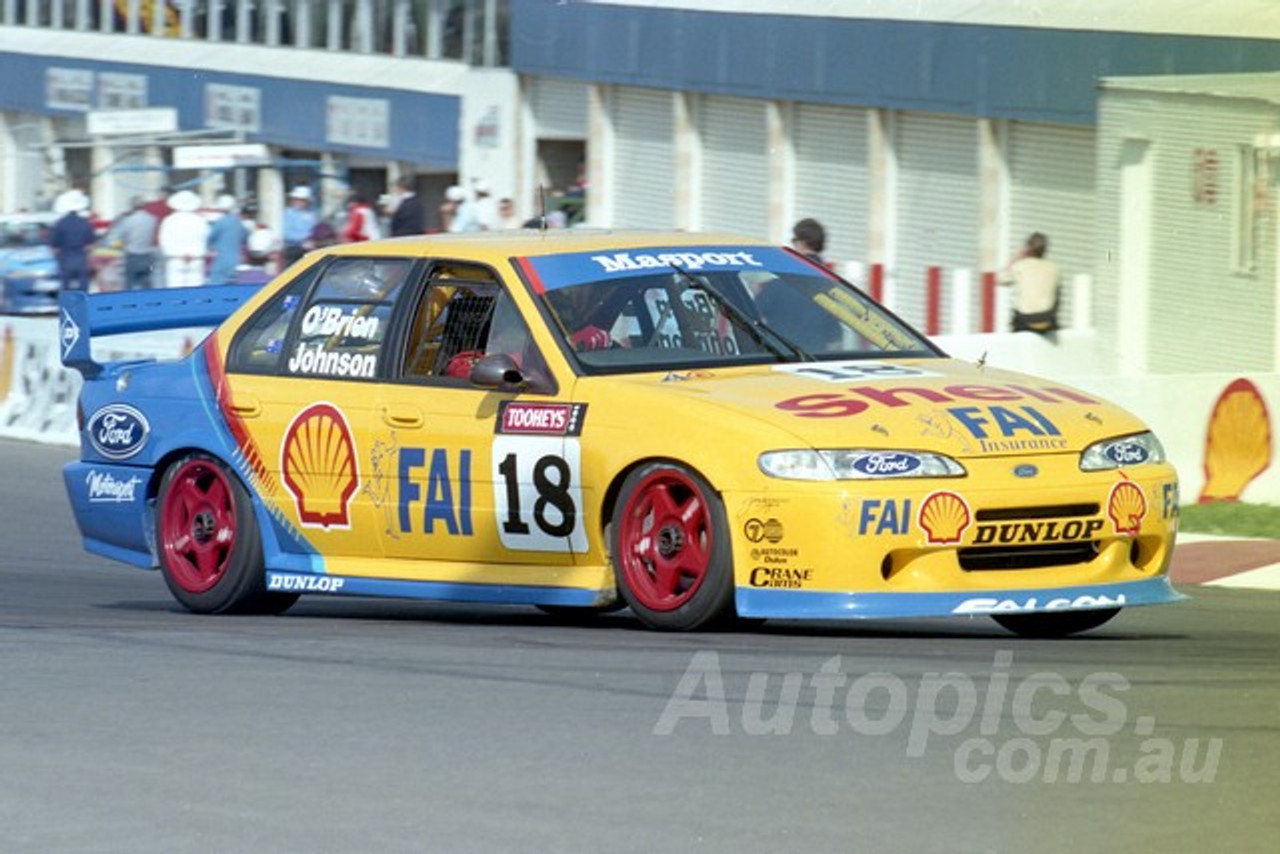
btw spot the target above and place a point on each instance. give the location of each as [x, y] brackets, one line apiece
[540, 419]
[318, 458]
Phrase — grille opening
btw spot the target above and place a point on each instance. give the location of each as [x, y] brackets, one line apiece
[984, 558]
[1009, 514]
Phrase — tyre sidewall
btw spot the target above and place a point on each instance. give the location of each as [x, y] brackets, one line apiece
[713, 600]
[242, 586]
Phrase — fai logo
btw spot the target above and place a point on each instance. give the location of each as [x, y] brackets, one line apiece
[318, 458]
[944, 516]
[118, 431]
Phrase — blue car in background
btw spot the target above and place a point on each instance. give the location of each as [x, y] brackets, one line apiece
[28, 270]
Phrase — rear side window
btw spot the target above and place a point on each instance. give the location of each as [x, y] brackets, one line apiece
[261, 341]
[333, 329]
[339, 333]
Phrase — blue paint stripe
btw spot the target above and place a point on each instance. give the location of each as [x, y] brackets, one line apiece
[814, 605]
[504, 594]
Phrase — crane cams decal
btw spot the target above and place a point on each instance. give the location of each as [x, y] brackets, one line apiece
[118, 431]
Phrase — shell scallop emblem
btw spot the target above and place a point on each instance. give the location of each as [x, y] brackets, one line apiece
[318, 459]
[1127, 506]
[944, 516]
[1237, 446]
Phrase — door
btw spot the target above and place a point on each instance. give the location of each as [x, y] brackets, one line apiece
[474, 485]
[300, 382]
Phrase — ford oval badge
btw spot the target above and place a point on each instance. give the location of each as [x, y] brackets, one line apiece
[1127, 453]
[1026, 470]
[888, 464]
[118, 431]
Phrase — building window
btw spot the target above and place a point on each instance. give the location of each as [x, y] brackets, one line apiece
[1252, 206]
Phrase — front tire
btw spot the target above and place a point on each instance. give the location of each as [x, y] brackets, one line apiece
[1054, 625]
[671, 551]
[210, 549]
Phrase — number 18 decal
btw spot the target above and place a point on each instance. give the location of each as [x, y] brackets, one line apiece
[537, 493]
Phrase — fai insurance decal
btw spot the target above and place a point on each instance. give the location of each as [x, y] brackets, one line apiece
[537, 477]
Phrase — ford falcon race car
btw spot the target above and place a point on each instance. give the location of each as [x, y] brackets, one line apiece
[694, 426]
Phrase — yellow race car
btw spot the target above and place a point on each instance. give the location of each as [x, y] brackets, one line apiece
[695, 426]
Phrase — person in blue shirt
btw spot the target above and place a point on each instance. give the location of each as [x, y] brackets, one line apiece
[70, 239]
[299, 221]
[227, 236]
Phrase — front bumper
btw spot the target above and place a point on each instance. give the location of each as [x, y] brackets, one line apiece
[986, 543]
[818, 605]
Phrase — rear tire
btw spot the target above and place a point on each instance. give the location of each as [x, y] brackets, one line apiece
[210, 548]
[671, 553]
[1054, 625]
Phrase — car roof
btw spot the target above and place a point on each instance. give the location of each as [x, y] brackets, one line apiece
[520, 242]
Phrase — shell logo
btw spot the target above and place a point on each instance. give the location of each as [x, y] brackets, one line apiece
[1237, 446]
[1127, 506]
[6, 363]
[318, 459]
[944, 516]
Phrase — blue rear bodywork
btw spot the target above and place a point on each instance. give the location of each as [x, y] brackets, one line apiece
[137, 415]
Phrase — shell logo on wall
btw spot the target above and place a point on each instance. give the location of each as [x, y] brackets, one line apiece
[6, 363]
[1237, 443]
[318, 460]
[944, 517]
[1127, 507]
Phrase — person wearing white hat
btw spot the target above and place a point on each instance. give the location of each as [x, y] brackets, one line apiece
[226, 241]
[182, 238]
[471, 214]
[299, 221]
[70, 239]
[453, 197]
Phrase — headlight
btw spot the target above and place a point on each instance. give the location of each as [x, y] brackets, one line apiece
[1135, 450]
[856, 464]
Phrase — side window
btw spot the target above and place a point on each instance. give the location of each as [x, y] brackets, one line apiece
[261, 341]
[461, 319]
[341, 330]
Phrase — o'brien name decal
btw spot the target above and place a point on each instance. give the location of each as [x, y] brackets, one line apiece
[331, 320]
[541, 419]
[105, 488]
[626, 262]
[317, 360]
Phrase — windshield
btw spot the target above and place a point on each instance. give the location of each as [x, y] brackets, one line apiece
[702, 307]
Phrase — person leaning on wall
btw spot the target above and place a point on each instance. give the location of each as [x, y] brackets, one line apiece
[1035, 287]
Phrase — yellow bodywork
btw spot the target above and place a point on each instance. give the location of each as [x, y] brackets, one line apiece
[426, 496]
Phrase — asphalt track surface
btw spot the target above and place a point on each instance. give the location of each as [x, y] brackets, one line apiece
[375, 725]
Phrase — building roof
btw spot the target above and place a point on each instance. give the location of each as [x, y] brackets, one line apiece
[1223, 18]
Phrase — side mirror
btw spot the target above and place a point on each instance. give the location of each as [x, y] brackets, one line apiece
[497, 370]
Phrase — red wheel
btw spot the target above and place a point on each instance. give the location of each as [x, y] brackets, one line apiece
[210, 552]
[671, 549]
[198, 525]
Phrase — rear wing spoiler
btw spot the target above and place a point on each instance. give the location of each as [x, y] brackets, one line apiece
[82, 316]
